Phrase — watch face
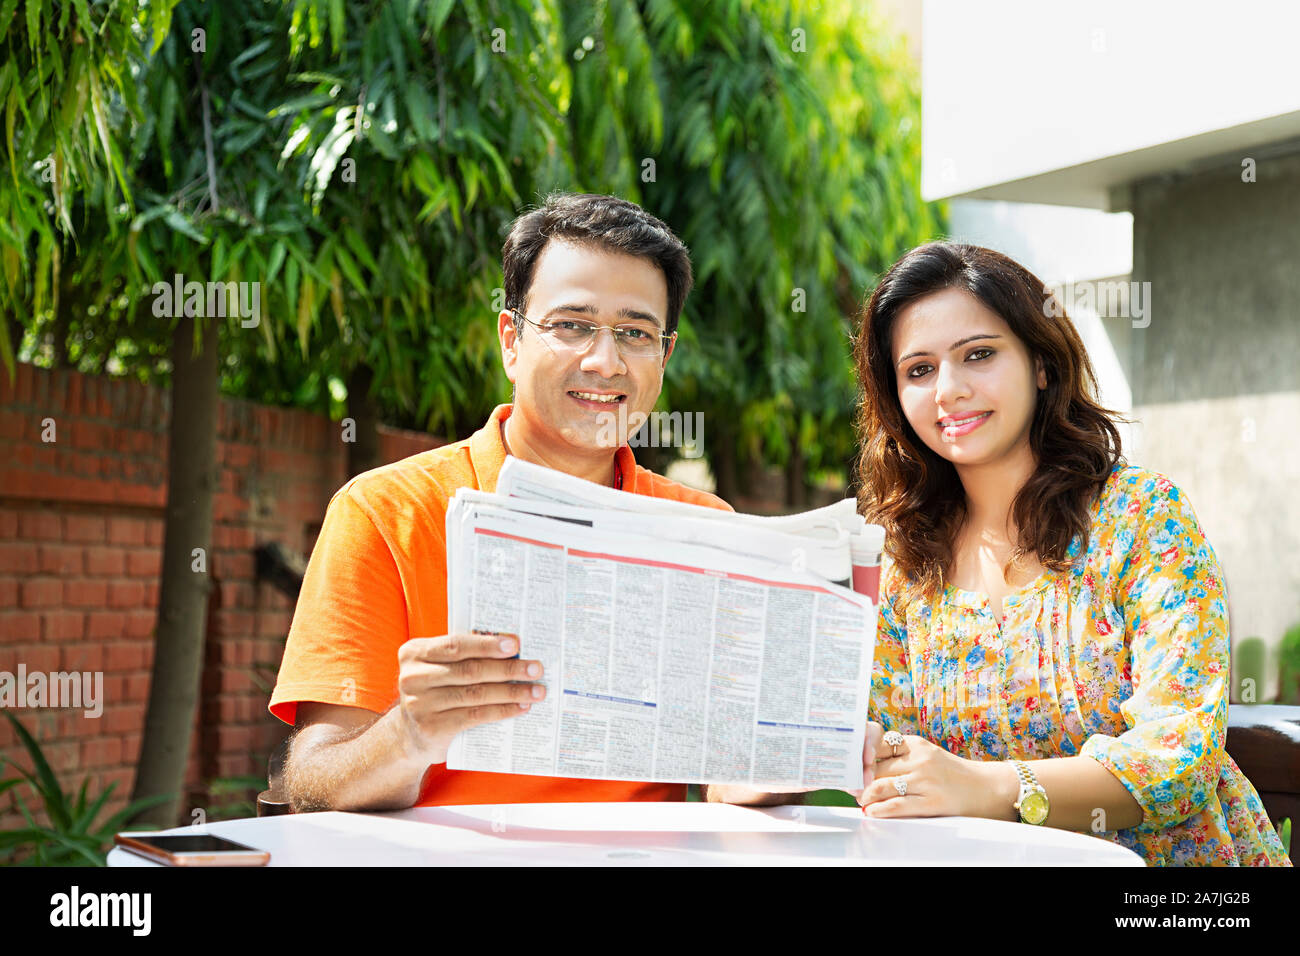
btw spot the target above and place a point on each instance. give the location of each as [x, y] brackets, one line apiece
[1033, 808]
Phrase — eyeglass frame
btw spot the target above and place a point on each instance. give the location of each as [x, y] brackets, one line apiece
[618, 345]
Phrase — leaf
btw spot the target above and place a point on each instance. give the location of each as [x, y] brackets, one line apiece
[291, 282]
[350, 270]
[360, 250]
[277, 259]
[298, 104]
[257, 49]
[436, 17]
[7, 14]
[219, 253]
[48, 785]
[306, 312]
[337, 27]
[421, 108]
[178, 221]
[117, 821]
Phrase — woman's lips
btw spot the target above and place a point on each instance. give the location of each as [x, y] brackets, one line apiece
[951, 432]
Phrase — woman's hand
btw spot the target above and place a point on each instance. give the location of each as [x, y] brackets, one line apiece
[871, 746]
[939, 784]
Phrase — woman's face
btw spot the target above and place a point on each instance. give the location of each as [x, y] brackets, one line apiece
[966, 383]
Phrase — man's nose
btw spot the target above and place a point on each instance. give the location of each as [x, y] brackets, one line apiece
[602, 356]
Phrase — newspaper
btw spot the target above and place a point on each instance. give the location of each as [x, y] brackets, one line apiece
[680, 644]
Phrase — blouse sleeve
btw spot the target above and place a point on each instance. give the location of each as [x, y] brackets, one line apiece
[891, 704]
[1171, 595]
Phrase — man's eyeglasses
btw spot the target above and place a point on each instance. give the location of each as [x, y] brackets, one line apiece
[633, 341]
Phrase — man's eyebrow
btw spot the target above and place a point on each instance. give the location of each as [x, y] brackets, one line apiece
[955, 345]
[593, 311]
[640, 316]
[580, 309]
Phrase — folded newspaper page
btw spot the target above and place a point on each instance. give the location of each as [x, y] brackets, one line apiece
[680, 644]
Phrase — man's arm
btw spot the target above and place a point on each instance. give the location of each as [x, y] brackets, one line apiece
[348, 758]
[731, 793]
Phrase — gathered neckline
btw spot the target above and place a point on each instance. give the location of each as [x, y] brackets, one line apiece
[980, 599]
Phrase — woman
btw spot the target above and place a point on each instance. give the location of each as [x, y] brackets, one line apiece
[1053, 633]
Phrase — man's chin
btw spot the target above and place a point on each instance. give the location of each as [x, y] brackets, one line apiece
[593, 438]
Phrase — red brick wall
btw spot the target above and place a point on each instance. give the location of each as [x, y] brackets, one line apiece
[81, 530]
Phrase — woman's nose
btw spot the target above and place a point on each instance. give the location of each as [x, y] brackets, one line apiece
[949, 385]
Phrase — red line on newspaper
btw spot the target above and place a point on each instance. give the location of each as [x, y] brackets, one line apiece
[662, 564]
[515, 537]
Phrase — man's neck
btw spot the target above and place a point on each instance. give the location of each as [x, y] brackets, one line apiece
[600, 468]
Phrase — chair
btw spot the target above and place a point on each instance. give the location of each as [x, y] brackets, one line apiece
[272, 802]
[1264, 741]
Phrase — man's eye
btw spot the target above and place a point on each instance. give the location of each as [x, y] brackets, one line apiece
[568, 325]
[636, 335]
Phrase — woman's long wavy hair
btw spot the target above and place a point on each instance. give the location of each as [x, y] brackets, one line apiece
[914, 493]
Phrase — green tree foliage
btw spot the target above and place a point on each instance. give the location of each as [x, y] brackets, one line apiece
[68, 96]
[413, 132]
[786, 148]
[366, 158]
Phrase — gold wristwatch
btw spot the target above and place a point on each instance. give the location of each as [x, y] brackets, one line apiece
[1032, 801]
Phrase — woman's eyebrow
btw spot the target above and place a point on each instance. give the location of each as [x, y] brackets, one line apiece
[955, 345]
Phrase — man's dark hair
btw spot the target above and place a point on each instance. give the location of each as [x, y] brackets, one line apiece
[605, 222]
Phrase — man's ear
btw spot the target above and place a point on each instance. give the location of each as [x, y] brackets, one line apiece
[672, 344]
[508, 335]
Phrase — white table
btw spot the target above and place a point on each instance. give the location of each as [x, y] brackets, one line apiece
[649, 834]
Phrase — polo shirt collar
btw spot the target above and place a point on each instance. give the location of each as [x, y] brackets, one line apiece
[487, 453]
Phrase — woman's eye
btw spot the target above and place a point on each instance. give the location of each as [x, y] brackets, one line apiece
[981, 353]
[916, 371]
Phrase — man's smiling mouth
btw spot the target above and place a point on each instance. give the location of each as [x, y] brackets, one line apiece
[600, 398]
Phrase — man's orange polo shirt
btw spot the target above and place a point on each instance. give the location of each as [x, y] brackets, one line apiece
[378, 577]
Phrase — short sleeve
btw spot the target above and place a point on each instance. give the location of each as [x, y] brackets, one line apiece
[349, 622]
[892, 703]
[1171, 594]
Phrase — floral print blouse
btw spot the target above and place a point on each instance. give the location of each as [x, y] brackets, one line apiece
[1123, 658]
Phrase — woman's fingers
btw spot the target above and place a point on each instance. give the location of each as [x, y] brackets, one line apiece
[871, 743]
[888, 771]
[895, 806]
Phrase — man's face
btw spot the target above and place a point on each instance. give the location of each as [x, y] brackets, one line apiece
[585, 396]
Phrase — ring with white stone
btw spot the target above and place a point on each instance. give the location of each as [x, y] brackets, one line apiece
[894, 740]
[901, 786]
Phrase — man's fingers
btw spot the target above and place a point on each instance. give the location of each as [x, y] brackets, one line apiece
[478, 670]
[450, 648]
[466, 717]
[455, 697]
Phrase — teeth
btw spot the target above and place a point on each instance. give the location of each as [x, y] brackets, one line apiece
[963, 421]
[592, 397]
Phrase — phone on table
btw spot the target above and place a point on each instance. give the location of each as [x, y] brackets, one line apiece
[199, 849]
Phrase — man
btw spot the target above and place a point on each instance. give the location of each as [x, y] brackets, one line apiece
[373, 684]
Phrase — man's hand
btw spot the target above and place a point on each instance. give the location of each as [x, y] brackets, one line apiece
[451, 683]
